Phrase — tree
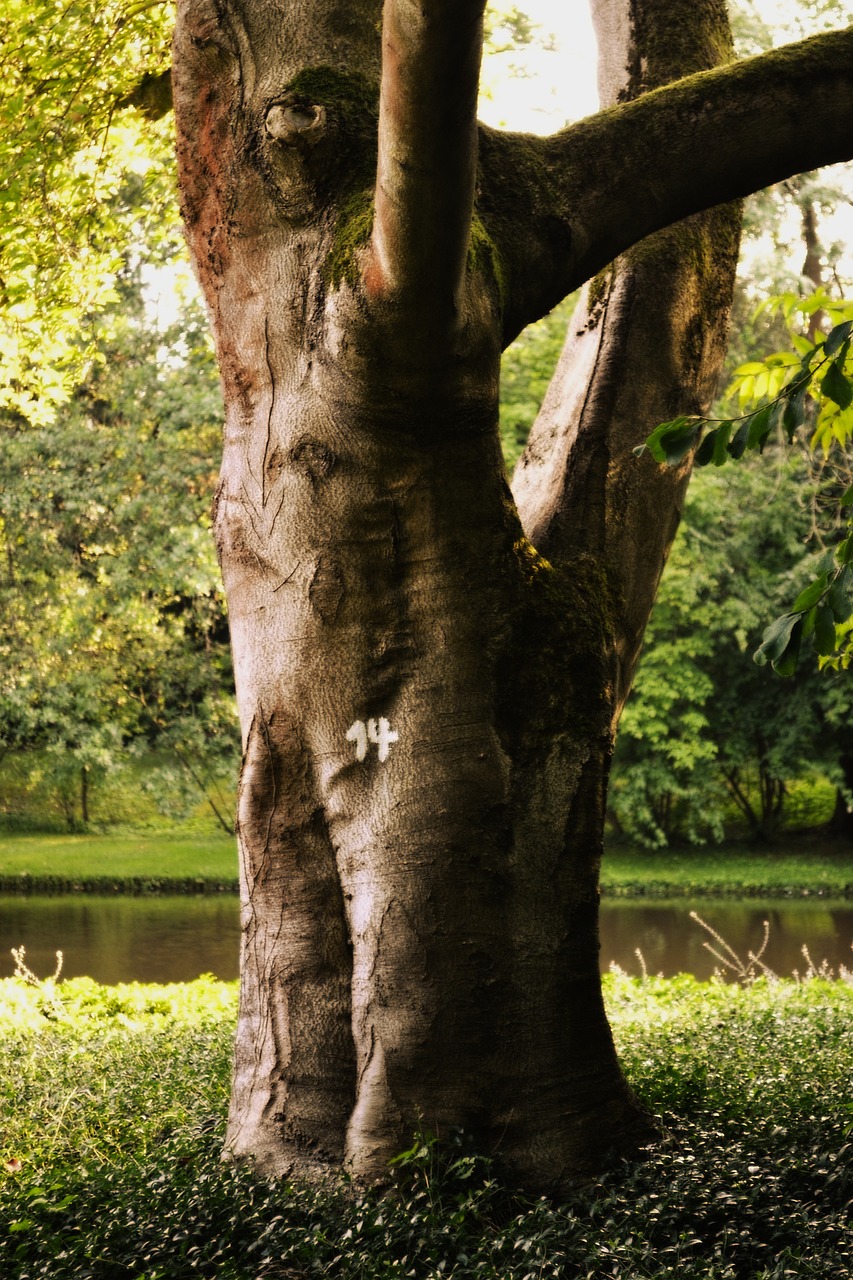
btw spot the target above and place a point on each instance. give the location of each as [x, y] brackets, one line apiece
[113, 637]
[428, 702]
[67, 149]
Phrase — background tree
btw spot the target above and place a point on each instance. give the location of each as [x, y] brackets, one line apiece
[703, 721]
[112, 628]
[67, 154]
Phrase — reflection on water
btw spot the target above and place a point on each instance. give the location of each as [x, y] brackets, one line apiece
[123, 939]
[176, 939]
[671, 942]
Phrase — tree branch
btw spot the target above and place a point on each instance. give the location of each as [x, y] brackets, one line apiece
[591, 191]
[152, 95]
[427, 151]
[645, 343]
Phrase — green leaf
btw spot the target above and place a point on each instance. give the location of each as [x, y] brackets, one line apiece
[739, 442]
[705, 452]
[777, 638]
[786, 663]
[723, 435]
[795, 408]
[760, 425]
[846, 499]
[840, 596]
[811, 594]
[824, 630]
[836, 386]
[837, 337]
[809, 622]
[672, 441]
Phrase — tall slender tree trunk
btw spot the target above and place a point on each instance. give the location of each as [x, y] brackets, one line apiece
[84, 794]
[428, 703]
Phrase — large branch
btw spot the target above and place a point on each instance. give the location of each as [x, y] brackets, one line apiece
[587, 194]
[645, 343]
[152, 95]
[427, 150]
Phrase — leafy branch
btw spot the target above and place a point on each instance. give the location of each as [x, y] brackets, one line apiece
[810, 387]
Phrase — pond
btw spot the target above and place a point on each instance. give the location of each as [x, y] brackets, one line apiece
[175, 939]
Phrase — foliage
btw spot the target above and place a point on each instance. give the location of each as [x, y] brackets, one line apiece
[665, 776]
[115, 1102]
[705, 738]
[82, 176]
[508, 36]
[112, 627]
[811, 387]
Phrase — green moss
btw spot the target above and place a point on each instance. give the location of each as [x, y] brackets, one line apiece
[599, 291]
[557, 674]
[351, 97]
[352, 232]
[483, 256]
[345, 161]
[672, 40]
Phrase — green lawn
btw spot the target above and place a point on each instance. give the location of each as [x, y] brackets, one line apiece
[807, 867]
[84, 857]
[61, 861]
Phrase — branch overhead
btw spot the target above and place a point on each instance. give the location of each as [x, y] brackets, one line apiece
[152, 95]
[598, 187]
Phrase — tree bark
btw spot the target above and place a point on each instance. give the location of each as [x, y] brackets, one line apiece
[427, 703]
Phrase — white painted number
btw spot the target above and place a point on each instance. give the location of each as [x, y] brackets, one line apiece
[378, 732]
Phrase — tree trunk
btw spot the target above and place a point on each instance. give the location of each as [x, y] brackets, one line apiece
[84, 795]
[841, 822]
[427, 704]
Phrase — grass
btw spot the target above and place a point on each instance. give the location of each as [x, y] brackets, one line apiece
[796, 867]
[114, 1098]
[99, 860]
[158, 861]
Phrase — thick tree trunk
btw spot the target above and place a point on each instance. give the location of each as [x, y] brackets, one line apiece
[427, 704]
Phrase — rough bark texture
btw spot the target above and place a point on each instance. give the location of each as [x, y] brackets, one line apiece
[427, 704]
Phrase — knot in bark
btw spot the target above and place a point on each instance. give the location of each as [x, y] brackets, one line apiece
[295, 121]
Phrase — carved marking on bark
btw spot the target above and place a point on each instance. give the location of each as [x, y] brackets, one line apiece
[327, 589]
[289, 578]
[267, 442]
[262, 523]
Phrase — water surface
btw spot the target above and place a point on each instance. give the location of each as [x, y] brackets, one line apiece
[116, 939]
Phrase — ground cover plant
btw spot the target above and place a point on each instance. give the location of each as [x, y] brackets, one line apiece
[113, 1102]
